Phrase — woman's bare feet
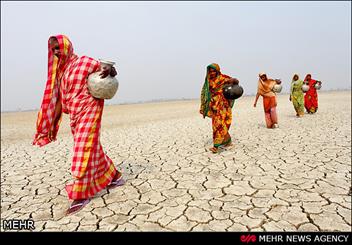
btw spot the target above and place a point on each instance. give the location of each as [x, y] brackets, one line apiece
[213, 149]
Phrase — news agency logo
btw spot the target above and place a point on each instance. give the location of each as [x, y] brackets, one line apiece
[291, 238]
[248, 238]
[18, 224]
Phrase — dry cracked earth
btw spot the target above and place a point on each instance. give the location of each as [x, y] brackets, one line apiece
[294, 178]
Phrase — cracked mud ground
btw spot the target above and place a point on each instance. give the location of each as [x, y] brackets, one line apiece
[294, 178]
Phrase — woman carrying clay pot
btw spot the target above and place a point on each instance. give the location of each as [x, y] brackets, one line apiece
[66, 92]
[216, 106]
[265, 89]
[311, 96]
[296, 95]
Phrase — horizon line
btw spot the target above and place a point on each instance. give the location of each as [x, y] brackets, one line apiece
[161, 100]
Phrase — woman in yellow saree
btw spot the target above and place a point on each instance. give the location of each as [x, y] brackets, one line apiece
[216, 106]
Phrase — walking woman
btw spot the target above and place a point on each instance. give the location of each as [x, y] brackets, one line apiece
[265, 89]
[311, 96]
[296, 95]
[216, 106]
[66, 92]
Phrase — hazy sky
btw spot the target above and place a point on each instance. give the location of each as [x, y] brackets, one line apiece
[161, 49]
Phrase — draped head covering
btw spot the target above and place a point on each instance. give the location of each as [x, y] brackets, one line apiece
[56, 67]
[265, 87]
[311, 96]
[306, 78]
[296, 85]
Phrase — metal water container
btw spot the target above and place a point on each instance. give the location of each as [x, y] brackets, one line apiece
[317, 85]
[305, 87]
[277, 87]
[232, 91]
[103, 88]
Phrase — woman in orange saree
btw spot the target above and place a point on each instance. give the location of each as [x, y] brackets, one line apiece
[216, 106]
[311, 96]
[265, 89]
[67, 92]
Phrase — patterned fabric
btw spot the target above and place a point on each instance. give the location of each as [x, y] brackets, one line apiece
[216, 106]
[311, 96]
[91, 168]
[51, 93]
[297, 96]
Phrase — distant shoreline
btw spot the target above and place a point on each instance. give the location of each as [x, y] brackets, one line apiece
[166, 100]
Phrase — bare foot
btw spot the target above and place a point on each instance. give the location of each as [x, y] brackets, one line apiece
[213, 149]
